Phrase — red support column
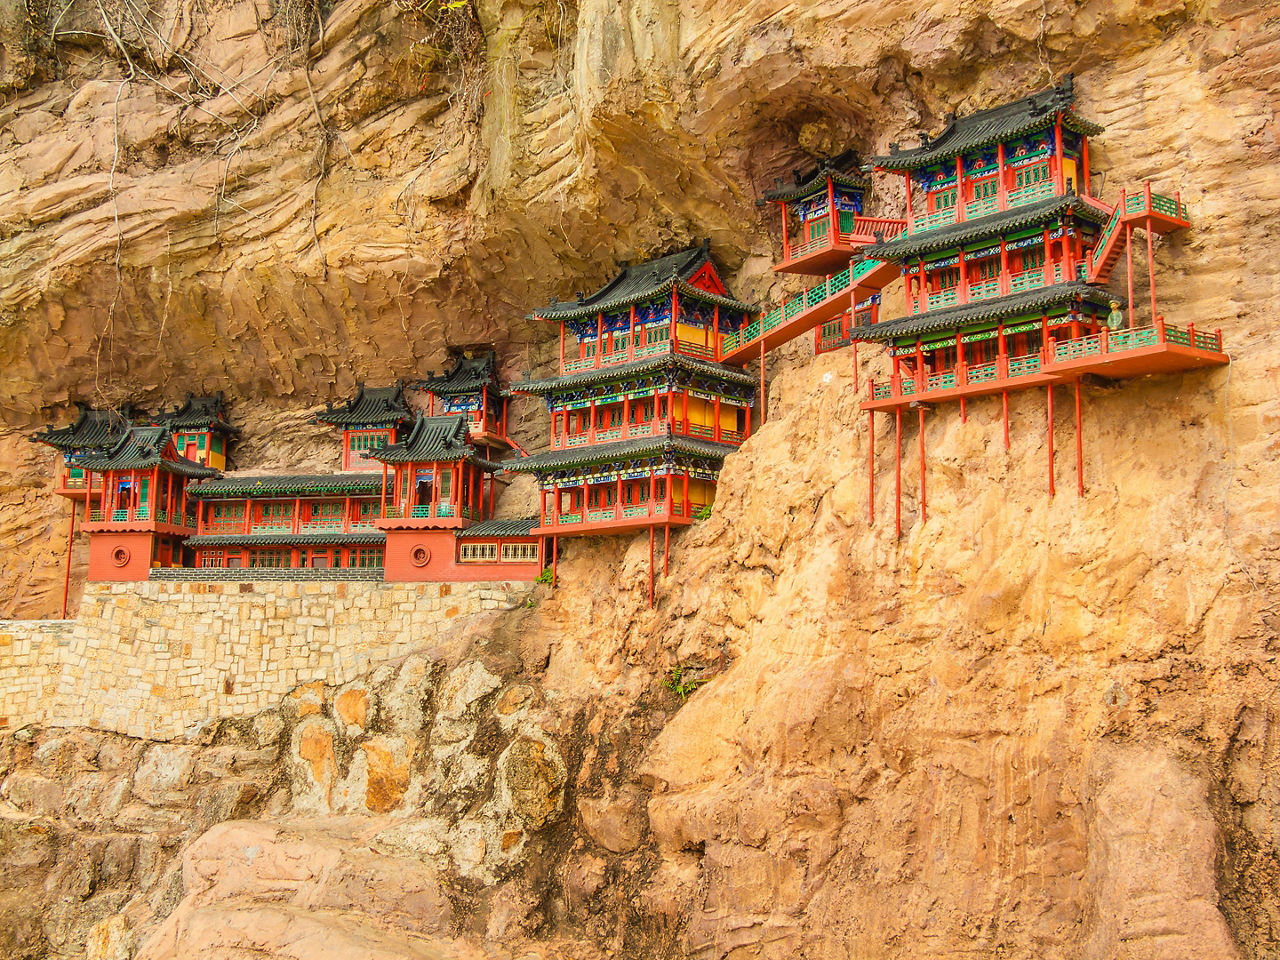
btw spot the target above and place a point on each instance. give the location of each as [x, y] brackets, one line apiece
[855, 365]
[555, 547]
[1002, 192]
[764, 397]
[1049, 391]
[384, 490]
[897, 512]
[831, 212]
[1004, 402]
[1059, 172]
[1079, 446]
[675, 314]
[650, 566]
[666, 549]
[924, 501]
[1128, 253]
[786, 242]
[871, 468]
[631, 335]
[1151, 262]
[66, 580]
[718, 339]
[599, 338]
[960, 193]
[1084, 166]
[910, 218]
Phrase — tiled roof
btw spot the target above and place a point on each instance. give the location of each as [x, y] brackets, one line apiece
[995, 308]
[518, 527]
[845, 170]
[199, 413]
[375, 406]
[92, 430]
[992, 225]
[644, 281]
[992, 125]
[467, 375]
[431, 439]
[288, 485]
[285, 539]
[621, 450]
[143, 447]
[623, 371]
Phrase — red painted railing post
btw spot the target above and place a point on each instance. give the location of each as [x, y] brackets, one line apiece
[1218, 333]
[1160, 330]
[1104, 339]
[1191, 334]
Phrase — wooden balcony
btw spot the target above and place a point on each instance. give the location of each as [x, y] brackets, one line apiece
[141, 519]
[426, 516]
[652, 428]
[1120, 355]
[688, 348]
[830, 250]
[618, 518]
[1150, 211]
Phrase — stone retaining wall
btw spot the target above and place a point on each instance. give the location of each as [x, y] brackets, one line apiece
[158, 659]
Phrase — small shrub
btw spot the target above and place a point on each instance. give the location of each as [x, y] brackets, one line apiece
[703, 513]
[681, 683]
[544, 576]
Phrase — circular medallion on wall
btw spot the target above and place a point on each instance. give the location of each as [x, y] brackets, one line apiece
[120, 556]
[420, 556]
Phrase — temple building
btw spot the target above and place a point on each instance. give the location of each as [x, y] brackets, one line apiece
[201, 429]
[1005, 258]
[642, 411]
[93, 431]
[140, 512]
[470, 388]
[438, 485]
[315, 521]
[369, 420]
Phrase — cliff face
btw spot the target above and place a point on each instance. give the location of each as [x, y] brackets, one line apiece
[1035, 727]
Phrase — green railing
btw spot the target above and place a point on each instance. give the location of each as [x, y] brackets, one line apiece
[985, 289]
[933, 221]
[1036, 191]
[943, 299]
[983, 374]
[320, 523]
[1130, 339]
[95, 516]
[1022, 366]
[881, 391]
[1209, 341]
[941, 381]
[792, 308]
[1082, 347]
[1026, 280]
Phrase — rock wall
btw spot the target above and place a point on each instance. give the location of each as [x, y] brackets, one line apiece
[158, 659]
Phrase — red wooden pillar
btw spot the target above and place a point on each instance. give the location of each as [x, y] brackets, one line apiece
[715, 412]
[675, 319]
[384, 490]
[666, 549]
[71, 539]
[1059, 172]
[555, 547]
[651, 565]
[631, 335]
[831, 211]
[1004, 402]
[764, 396]
[718, 339]
[1079, 446]
[897, 453]
[910, 217]
[1084, 166]
[871, 468]
[1049, 391]
[1002, 191]
[959, 207]
[297, 514]
[599, 338]
[924, 500]
[687, 510]
[1128, 253]
[1151, 260]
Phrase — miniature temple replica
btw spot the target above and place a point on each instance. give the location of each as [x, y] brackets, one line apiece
[643, 412]
[470, 388]
[368, 420]
[1005, 259]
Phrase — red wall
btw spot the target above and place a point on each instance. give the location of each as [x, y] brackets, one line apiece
[104, 564]
[404, 561]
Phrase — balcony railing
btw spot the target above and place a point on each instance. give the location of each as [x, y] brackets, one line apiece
[617, 511]
[932, 221]
[853, 230]
[1102, 343]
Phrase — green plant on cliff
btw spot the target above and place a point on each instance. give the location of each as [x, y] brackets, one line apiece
[681, 683]
[544, 576]
[703, 513]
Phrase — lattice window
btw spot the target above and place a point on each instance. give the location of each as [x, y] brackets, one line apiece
[519, 552]
[1031, 175]
[212, 558]
[270, 558]
[478, 552]
[366, 557]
